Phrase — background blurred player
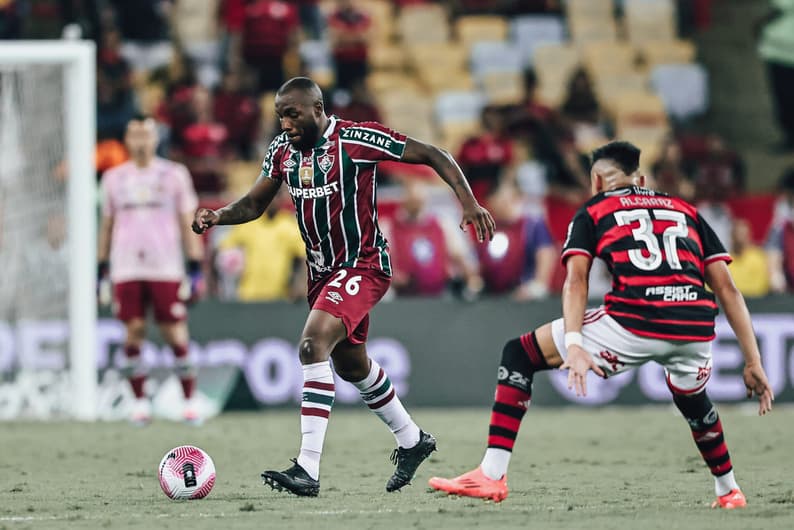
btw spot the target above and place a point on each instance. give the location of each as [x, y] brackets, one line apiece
[329, 167]
[147, 207]
[661, 254]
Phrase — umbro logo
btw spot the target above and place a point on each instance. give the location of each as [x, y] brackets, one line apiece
[708, 436]
[289, 163]
[334, 297]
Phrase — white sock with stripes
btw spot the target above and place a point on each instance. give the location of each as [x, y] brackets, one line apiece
[318, 398]
[379, 395]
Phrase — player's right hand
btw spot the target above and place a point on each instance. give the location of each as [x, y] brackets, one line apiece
[204, 220]
[480, 218]
[578, 362]
[756, 383]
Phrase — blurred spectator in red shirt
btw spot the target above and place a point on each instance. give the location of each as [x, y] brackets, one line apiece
[263, 31]
[349, 31]
[520, 258]
[110, 62]
[355, 104]
[178, 80]
[670, 172]
[239, 112]
[483, 157]
[780, 243]
[204, 145]
[719, 172]
[425, 252]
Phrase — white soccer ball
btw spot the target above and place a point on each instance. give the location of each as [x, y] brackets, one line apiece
[186, 472]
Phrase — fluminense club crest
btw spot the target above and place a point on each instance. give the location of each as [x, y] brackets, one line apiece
[326, 162]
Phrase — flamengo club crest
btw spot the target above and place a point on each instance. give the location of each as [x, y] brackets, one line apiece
[326, 162]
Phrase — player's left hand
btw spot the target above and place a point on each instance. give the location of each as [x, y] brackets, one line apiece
[474, 214]
[756, 383]
[578, 362]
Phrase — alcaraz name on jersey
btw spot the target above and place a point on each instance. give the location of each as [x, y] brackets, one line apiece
[333, 188]
[656, 247]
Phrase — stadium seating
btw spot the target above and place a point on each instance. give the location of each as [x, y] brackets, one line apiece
[676, 51]
[650, 20]
[423, 23]
[386, 56]
[554, 65]
[585, 30]
[475, 28]
[609, 57]
[442, 67]
[529, 31]
[596, 9]
[495, 56]
[683, 88]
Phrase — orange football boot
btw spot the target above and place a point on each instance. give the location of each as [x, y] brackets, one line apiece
[473, 484]
[733, 499]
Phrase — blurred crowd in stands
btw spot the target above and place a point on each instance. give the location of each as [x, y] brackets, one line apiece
[518, 90]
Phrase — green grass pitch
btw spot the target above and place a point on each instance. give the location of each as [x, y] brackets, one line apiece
[633, 468]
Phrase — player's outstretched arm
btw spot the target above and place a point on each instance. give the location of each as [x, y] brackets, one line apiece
[574, 301]
[719, 279]
[247, 208]
[441, 161]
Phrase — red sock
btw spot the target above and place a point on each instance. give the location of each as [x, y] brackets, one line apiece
[521, 358]
[186, 376]
[136, 379]
[711, 444]
[509, 406]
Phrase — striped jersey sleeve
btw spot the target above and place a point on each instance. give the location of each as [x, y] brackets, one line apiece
[370, 142]
[581, 239]
[713, 249]
[271, 165]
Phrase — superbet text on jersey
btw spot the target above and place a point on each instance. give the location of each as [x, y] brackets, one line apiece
[656, 248]
[333, 188]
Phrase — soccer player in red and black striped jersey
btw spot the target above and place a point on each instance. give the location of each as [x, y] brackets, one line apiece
[329, 167]
[662, 255]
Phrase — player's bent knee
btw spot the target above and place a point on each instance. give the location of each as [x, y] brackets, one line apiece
[515, 369]
[313, 350]
[698, 410]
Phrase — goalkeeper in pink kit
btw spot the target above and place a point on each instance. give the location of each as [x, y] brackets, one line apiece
[147, 209]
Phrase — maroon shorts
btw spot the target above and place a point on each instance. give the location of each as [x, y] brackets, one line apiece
[131, 300]
[349, 294]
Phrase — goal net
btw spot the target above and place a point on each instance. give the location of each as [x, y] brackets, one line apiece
[47, 230]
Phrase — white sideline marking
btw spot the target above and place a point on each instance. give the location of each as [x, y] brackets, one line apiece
[78, 518]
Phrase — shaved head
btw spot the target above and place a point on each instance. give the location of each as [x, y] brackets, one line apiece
[305, 85]
[300, 110]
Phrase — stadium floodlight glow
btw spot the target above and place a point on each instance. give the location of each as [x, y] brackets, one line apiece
[77, 59]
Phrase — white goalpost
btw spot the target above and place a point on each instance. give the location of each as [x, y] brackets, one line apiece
[47, 177]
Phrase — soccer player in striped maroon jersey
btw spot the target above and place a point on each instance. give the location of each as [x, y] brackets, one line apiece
[662, 255]
[329, 167]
